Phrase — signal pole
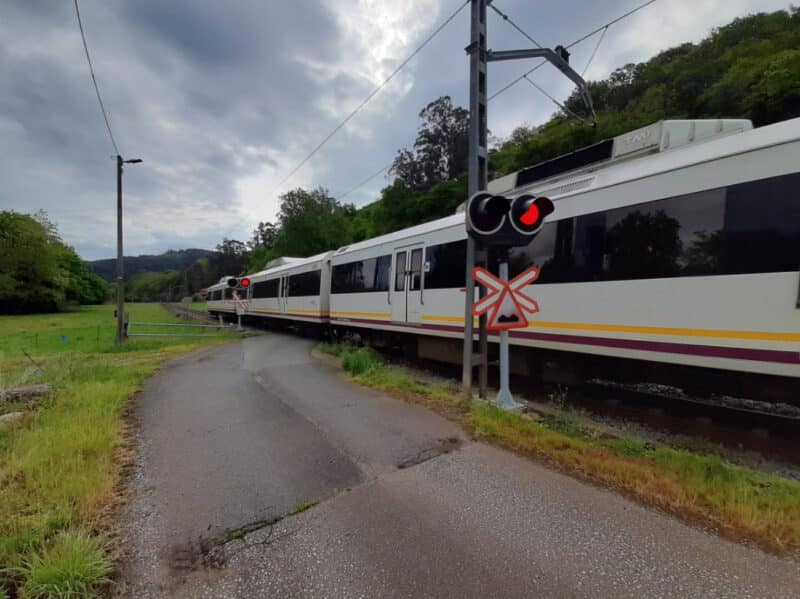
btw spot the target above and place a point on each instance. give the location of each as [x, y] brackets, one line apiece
[477, 181]
[120, 262]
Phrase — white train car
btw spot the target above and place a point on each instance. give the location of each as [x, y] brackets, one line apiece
[295, 290]
[677, 243]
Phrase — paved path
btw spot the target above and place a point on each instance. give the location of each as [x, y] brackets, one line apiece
[234, 438]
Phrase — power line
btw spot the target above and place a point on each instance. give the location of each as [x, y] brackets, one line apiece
[575, 43]
[371, 95]
[603, 28]
[594, 52]
[514, 25]
[365, 181]
[94, 80]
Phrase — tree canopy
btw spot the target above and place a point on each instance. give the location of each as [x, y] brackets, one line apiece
[38, 271]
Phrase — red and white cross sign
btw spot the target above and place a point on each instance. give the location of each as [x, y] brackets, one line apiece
[506, 304]
[240, 303]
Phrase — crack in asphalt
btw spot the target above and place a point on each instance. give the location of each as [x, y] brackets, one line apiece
[443, 446]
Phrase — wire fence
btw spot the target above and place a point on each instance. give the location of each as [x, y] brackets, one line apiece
[88, 338]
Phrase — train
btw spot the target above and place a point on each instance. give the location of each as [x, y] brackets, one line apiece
[672, 248]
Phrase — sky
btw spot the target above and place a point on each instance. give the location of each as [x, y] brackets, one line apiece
[222, 100]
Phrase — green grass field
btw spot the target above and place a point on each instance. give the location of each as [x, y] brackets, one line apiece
[60, 467]
[737, 501]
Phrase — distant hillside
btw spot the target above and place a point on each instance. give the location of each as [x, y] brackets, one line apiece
[172, 260]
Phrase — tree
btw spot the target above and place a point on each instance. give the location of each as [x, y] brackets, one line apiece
[263, 236]
[440, 150]
[311, 222]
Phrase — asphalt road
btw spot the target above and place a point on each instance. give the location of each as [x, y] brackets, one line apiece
[234, 438]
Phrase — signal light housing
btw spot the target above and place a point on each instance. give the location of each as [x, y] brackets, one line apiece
[528, 213]
[499, 221]
[238, 283]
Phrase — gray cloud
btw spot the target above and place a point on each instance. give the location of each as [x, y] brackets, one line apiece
[221, 100]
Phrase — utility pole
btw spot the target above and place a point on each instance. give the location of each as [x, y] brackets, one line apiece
[120, 266]
[477, 181]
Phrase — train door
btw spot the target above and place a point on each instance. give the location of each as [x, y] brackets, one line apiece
[283, 295]
[406, 287]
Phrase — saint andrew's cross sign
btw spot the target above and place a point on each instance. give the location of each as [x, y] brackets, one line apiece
[505, 304]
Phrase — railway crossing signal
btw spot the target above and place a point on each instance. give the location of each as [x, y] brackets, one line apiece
[239, 283]
[495, 220]
[503, 223]
[506, 304]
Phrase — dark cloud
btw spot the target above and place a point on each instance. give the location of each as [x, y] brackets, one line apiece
[222, 99]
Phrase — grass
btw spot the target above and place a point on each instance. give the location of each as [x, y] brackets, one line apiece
[301, 507]
[59, 470]
[738, 502]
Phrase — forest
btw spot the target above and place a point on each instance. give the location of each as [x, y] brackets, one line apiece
[746, 69]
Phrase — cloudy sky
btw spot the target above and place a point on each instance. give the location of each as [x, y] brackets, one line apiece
[223, 99]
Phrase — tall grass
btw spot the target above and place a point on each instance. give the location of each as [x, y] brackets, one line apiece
[737, 501]
[58, 470]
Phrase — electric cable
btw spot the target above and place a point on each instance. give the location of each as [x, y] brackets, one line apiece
[94, 80]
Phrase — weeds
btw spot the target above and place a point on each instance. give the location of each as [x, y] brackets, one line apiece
[301, 507]
[737, 501]
[73, 565]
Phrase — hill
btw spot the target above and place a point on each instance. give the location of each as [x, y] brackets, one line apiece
[170, 260]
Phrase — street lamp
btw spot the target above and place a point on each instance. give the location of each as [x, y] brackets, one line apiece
[120, 269]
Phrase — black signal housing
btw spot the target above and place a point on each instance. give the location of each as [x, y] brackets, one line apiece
[498, 221]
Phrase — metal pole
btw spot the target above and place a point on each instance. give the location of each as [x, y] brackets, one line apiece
[504, 399]
[477, 181]
[120, 266]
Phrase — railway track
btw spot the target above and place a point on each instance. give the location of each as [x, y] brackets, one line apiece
[179, 310]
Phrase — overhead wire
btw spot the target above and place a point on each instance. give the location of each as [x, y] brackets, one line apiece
[514, 25]
[594, 52]
[364, 182]
[371, 95]
[603, 28]
[575, 43]
[94, 79]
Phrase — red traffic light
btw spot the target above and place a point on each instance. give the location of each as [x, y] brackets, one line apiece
[528, 213]
[244, 282]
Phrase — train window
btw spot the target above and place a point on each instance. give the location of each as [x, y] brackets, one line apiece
[539, 252]
[383, 271]
[446, 265]
[762, 226]
[228, 293]
[304, 284]
[415, 272]
[216, 294]
[400, 272]
[265, 289]
[362, 275]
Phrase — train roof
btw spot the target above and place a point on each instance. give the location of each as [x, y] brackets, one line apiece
[291, 263]
[435, 225]
[658, 148]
